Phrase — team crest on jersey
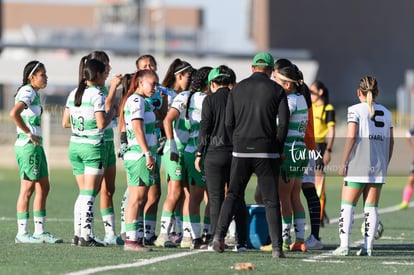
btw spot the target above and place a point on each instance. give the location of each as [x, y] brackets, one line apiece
[35, 171]
[178, 172]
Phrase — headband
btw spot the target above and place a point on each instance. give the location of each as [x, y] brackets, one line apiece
[34, 69]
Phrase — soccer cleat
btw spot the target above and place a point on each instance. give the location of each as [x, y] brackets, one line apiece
[135, 246]
[186, 242]
[27, 238]
[313, 244]
[364, 252]
[46, 237]
[403, 205]
[150, 241]
[176, 238]
[218, 245]
[341, 251]
[113, 240]
[75, 240]
[164, 241]
[278, 254]
[198, 244]
[266, 247]
[89, 243]
[298, 246]
[239, 248]
[207, 238]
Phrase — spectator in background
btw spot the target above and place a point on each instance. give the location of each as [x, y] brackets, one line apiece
[408, 188]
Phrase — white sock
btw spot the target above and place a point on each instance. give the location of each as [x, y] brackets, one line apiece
[232, 229]
[286, 232]
[39, 225]
[22, 223]
[299, 224]
[195, 230]
[346, 219]
[149, 228]
[166, 224]
[109, 224]
[87, 216]
[371, 225]
[77, 216]
[124, 203]
[187, 229]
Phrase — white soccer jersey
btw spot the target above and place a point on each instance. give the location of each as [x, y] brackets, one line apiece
[298, 120]
[82, 118]
[32, 114]
[136, 107]
[181, 125]
[368, 161]
[194, 115]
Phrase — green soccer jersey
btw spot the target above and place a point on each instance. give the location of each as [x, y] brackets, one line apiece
[30, 115]
[136, 107]
[82, 118]
[194, 115]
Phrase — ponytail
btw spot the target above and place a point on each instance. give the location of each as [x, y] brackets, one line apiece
[369, 88]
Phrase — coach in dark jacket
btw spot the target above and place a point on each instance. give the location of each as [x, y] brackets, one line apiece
[257, 116]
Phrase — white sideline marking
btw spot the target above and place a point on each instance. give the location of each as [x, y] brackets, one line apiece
[398, 263]
[140, 263]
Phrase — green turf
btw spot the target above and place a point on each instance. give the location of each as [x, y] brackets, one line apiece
[393, 252]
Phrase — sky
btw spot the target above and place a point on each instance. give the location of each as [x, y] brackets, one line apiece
[225, 21]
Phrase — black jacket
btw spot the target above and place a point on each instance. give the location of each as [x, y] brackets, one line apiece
[253, 108]
[213, 135]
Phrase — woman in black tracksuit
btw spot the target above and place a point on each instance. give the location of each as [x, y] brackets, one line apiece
[214, 142]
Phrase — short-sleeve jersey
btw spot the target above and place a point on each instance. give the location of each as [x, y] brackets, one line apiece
[323, 118]
[298, 120]
[194, 115]
[181, 125]
[368, 161]
[31, 115]
[136, 107]
[82, 118]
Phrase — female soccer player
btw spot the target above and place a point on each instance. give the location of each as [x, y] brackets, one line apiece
[85, 114]
[26, 114]
[177, 134]
[138, 120]
[367, 153]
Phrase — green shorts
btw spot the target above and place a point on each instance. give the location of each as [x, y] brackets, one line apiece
[294, 167]
[174, 170]
[86, 158]
[361, 185]
[109, 154]
[193, 176]
[139, 175]
[32, 161]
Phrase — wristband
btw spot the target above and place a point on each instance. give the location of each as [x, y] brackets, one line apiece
[329, 150]
[199, 154]
[148, 154]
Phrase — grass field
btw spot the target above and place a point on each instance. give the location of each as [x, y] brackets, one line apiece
[393, 252]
